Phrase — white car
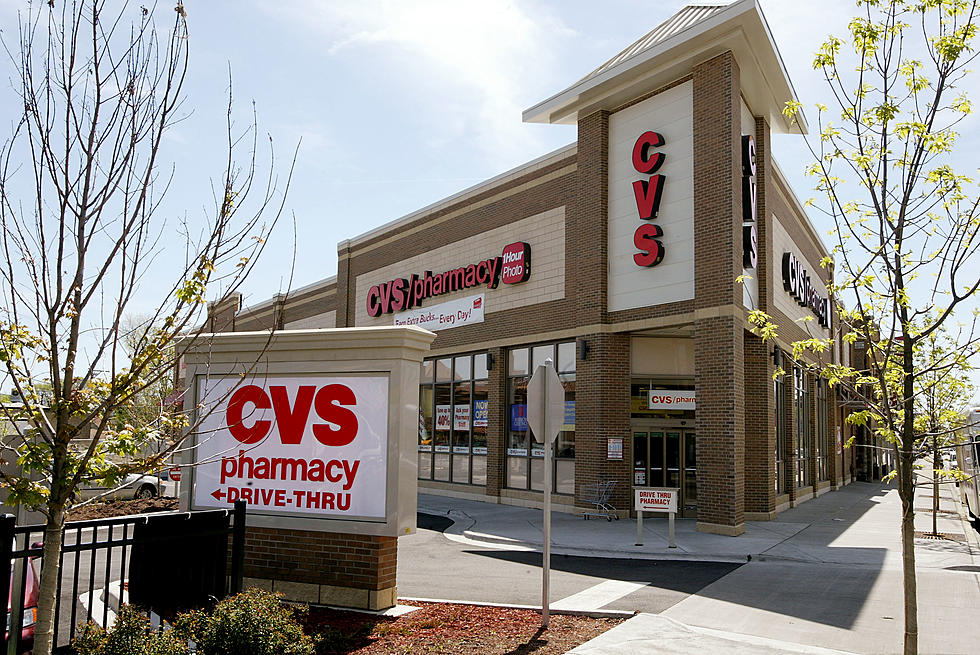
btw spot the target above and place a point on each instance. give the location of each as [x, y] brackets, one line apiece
[135, 485]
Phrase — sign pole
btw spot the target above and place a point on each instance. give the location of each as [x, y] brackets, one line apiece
[639, 527]
[545, 415]
[546, 565]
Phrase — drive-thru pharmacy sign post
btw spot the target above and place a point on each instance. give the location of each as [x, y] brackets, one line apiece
[655, 499]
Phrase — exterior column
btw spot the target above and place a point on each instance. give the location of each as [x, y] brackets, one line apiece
[345, 286]
[792, 432]
[760, 432]
[497, 422]
[719, 314]
[602, 410]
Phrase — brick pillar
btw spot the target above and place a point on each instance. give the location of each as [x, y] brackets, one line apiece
[811, 384]
[602, 410]
[792, 433]
[497, 422]
[760, 432]
[345, 286]
[834, 469]
[327, 568]
[719, 379]
[586, 223]
[221, 314]
[718, 343]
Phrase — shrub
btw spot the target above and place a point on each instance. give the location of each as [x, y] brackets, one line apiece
[129, 635]
[254, 622]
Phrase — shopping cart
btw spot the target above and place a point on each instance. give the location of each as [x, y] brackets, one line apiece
[598, 494]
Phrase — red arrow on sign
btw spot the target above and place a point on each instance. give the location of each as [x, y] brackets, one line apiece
[219, 494]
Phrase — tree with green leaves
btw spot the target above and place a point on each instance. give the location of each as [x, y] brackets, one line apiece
[943, 394]
[82, 178]
[906, 222]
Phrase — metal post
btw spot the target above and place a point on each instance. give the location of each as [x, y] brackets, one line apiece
[238, 547]
[546, 541]
[639, 527]
[670, 529]
[7, 524]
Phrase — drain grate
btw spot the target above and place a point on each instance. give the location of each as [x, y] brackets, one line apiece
[942, 536]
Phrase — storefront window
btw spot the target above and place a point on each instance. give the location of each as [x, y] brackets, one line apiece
[453, 419]
[525, 456]
[803, 430]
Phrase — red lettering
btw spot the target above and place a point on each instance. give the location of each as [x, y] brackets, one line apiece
[373, 306]
[266, 496]
[651, 249]
[343, 502]
[329, 406]
[399, 295]
[648, 194]
[234, 415]
[291, 421]
[280, 498]
[332, 466]
[642, 161]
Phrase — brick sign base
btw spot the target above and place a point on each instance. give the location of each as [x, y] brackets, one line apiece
[325, 568]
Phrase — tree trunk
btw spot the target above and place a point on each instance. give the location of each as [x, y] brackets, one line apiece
[48, 588]
[906, 491]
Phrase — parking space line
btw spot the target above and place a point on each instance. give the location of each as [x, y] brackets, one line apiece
[597, 596]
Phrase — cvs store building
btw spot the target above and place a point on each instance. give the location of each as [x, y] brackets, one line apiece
[632, 259]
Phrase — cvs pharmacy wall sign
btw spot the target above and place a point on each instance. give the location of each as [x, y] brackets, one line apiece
[671, 399]
[313, 446]
[513, 266]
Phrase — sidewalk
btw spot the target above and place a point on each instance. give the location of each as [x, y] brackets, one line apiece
[857, 524]
[824, 577]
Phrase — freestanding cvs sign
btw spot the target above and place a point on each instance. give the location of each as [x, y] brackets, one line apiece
[316, 430]
[313, 446]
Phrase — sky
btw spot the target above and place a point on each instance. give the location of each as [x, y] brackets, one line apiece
[397, 104]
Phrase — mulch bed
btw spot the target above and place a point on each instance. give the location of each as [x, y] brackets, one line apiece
[455, 629]
[110, 508]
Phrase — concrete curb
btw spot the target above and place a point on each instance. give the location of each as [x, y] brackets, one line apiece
[594, 614]
[465, 535]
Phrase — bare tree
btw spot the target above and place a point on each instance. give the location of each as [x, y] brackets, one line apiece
[81, 183]
[906, 225]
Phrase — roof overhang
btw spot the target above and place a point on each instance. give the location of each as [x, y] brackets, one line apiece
[740, 28]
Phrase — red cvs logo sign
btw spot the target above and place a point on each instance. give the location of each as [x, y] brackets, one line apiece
[648, 194]
[328, 402]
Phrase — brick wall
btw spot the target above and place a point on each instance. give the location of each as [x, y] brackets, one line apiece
[602, 410]
[345, 560]
[760, 433]
[719, 347]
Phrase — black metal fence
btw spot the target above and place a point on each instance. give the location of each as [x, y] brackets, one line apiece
[163, 562]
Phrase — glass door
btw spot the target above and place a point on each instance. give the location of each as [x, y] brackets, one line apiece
[668, 458]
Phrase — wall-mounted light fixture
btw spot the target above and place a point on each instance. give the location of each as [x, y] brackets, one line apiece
[583, 349]
[489, 361]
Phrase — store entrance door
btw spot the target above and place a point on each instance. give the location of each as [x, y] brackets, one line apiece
[667, 457]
